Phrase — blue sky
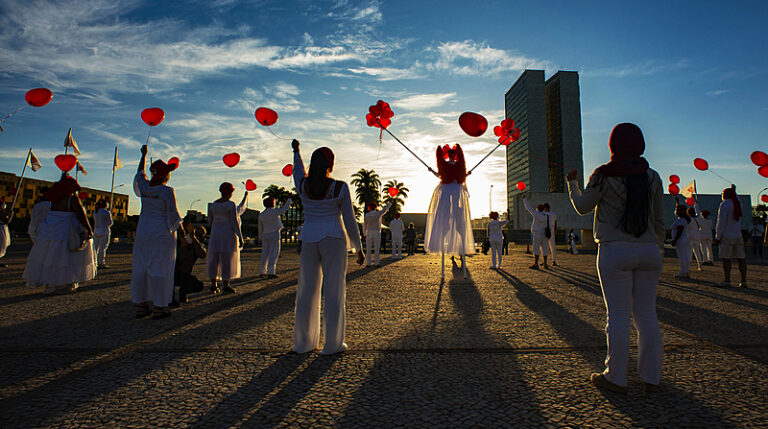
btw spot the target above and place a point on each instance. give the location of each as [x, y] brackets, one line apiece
[693, 75]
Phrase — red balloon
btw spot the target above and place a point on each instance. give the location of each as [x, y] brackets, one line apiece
[759, 158]
[38, 97]
[473, 124]
[393, 191]
[265, 116]
[250, 185]
[65, 162]
[764, 198]
[690, 201]
[288, 170]
[673, 189]
[520, 186]
[674, 178]
[83, 195]
[231, 159]
[763, 171]
[498, 131]
[701, 164]
[508, 124]
[174, 161]
[152, 116]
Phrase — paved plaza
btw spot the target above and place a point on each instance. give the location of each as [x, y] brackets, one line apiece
[508, 348]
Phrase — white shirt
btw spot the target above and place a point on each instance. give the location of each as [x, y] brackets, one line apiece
[372, 220]
[37, 216]
[494, 229]
[323, 218]
[397, 228]
[539, 223]
[684, 235]
[552, 220]
[269, 219]
[102, 220]
[727, 226]
[705, 225]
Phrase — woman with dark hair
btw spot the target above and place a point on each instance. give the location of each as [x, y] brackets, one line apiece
[728, 236]
[330, 228]
[53, 262]
[102, 222]
[225, 242]
[681, 240]
[154, 250]
[627, 198]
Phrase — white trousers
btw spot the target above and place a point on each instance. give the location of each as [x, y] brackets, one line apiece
[540, 245]
[696, 247]
[706, 249]
[270, 250]
[552, 247]
[397, 246]
[629, 274]
[322, 264]
[574, 250]
[372, 244]
[496, 251]
[100, 244]
[683, 250]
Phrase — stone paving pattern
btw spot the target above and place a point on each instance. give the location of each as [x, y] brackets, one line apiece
[507, 348]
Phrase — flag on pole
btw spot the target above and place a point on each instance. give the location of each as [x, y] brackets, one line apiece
[688, 190]
[117, 164]
[70, 142]
[80, 168]
[33, 162]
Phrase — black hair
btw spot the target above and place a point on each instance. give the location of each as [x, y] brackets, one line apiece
[317, 183]
[637, 208]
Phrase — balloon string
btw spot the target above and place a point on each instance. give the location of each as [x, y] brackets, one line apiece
[726, 180]
[11, 114]
[532, 156]
[379, 153]
[150, 132]
[274, 134]
[406, 147]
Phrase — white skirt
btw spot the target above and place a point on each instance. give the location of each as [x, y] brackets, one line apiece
[5, 239]
[154, 257]
[51, 263]
[449, 228]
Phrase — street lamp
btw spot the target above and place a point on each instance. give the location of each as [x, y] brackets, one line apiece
[490, 199]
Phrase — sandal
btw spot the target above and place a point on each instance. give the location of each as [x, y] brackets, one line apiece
[142, 311]
[161, 313]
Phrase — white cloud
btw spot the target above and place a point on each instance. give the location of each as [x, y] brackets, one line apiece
[717, 92]
[423, 101]
[646, 68]
[385, 73]
[470, 58]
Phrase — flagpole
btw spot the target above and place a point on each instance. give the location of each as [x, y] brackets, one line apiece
[18, 187]
[112, 188]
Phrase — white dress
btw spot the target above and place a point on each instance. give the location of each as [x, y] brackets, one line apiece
[223, 247]
[50, 262]
[37, 216]
[449, 228]
[154, 251]
[5, 239]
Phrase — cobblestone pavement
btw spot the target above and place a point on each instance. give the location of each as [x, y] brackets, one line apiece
[513, 347]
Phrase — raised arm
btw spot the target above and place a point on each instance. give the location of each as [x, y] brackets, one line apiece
[584, 201]
[299, 173]
[285, 207]
[528, 206]
[241, 206]
[143, 159]
[385, 209]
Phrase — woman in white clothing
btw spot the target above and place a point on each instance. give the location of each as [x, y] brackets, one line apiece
[329, 229]
[51, 263]
[627, 197]
[5, 235]
[496, 238]
[694, 236]
[154, 250]
[102, 222]
[225, 242]
[728, 236]
[705, 229]
[681, 241]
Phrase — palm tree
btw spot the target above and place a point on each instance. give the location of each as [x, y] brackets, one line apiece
[367, 184]
[397, 201]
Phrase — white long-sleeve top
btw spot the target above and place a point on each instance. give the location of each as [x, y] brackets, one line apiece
[37, 216]
[608, 197]
[269, 219]
[727, 226]
[495, 229]
[539, 223]
[397, 228]
[225, 227]
[372, 219]
[159, 214]
[332, 216]
[705, 225]
[102, 220]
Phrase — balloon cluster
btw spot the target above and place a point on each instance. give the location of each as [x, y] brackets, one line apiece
[673, 188]
[760, 159]
[506, 132]
[379, 115]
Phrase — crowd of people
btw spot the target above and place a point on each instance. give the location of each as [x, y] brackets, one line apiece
[625, 194]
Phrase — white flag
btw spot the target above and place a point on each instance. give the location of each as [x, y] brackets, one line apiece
[70, 142]
[33, 162]
[689, 189]
[117, 164]
[81, 169]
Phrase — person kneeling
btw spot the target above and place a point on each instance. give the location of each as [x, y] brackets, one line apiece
[189, 249]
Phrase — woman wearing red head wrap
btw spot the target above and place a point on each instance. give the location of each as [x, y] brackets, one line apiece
[627, 198]
[154, 250]
[51, 262]
[728, 236]
[449, 229]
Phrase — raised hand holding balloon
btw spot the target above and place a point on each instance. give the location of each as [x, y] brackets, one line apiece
[37, 97]
[152, 116]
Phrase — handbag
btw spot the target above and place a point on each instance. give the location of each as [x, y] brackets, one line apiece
[76, 240]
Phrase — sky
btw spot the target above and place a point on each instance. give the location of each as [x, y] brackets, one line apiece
[693, 75]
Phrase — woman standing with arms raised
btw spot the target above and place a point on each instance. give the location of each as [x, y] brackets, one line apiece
[154, 251]
[329, 227]
[627, 197]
